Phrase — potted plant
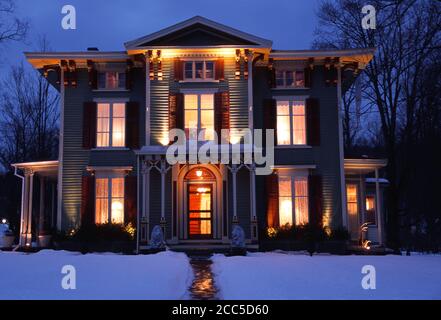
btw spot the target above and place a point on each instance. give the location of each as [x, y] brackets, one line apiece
[7, 237]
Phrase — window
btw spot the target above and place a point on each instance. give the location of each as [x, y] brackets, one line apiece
[109, 194]
[290, 79]
[370, 209]
[111, 80]
[291, 123]
[111, 125]
[199, 115]
[199, 70]
[293, 200]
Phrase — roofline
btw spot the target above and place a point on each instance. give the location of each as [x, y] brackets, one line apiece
[365, 163]
[322, 53]
[44, 165]
[198, 19]
[66, 55]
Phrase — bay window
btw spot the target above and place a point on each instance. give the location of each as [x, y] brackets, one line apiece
[290, 79]
[109, 200]
[111, 80]
[291, 122]
[293, 200]
[199, 115]
[199, 70]
[111, 125]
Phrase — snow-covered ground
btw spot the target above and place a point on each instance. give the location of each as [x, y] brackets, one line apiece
[166, 275]
[293, 276]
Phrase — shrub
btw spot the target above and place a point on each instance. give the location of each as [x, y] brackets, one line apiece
[103, 233]
[340, 234]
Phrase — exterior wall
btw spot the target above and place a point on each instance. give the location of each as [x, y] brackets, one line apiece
[75, 158]
[326, 157]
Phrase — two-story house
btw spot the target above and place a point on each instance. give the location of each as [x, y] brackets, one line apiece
[199, 76]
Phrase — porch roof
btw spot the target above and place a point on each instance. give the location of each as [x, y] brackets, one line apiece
[44, 167]
[363, 165]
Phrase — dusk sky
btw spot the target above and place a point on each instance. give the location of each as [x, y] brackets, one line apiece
[108, 24]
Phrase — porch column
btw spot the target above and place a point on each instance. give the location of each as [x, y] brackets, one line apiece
[250, 91]
[145, 196]
[41, 217]
[234, 170]
[378, 208]
[26, 219]
[163, 170]
[253, 201]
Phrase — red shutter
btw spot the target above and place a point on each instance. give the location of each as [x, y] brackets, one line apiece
[89, 125]
[270, 116]
[312, 122]
[176, 111]
[130, 199]
[87, 200]
[272, 205]
[219, 70]
[308, 77]
[178, 69]
[315, 199]
[221, 112]
[132, 125]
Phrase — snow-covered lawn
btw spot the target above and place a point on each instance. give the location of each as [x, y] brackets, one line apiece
[166, 275]
[293, 276]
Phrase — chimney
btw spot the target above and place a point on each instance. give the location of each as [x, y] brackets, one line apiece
[92, 49]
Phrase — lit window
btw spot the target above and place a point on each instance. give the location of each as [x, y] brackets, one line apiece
[111, 125]
[290, 79]
[109, 200]
[199, 70]
[291, 123]
[351, 194]
[370, 209]
[199, 115]
[293, 200]
[111, 80]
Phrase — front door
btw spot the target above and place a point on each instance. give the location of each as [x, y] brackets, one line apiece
[200, 210]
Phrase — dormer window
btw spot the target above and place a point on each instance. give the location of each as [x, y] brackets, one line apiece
[199, 70]
[290, 79]
[111, 80]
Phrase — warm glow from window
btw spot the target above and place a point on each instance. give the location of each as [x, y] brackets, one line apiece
[290, 79]
[291, 123]
[293, 190]
[109, 193]
[199, 116]
[351, 194]
[370, 209]
[111, 125]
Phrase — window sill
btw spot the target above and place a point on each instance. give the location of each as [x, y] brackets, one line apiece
[199, 81]
[110, 149]
[110, 90]
[300, 146]
[291, 88]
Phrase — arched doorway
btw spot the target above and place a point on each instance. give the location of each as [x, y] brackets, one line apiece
[200, 187]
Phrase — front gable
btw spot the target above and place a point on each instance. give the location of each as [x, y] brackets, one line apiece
[198, 32]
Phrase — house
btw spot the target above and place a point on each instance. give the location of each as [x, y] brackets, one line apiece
[200, 76]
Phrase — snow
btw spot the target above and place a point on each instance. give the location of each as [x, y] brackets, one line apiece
[165, 275]
[278, 275]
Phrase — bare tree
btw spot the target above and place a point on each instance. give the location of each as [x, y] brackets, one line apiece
[407, 32]
[11, 27]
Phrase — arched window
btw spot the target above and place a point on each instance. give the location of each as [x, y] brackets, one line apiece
[199, 173]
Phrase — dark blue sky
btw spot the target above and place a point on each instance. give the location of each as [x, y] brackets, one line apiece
[108, 24]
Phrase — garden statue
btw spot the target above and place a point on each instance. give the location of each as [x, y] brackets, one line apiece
[157, 238]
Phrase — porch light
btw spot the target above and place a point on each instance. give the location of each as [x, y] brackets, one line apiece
[4, 221]
[199, 173]
[202, 190]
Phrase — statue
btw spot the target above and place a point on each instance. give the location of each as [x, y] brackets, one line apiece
[238, 238]
[157, 238]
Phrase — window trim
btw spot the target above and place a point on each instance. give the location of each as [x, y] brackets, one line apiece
[199, 109]
[285, 87]
[293, 175]
[109, 177]
[193, 78]
[372, 225]
[111, 103]
[290, 100]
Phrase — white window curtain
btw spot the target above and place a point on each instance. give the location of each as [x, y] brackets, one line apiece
[293, 200]
[291, 122]
[111, 125]
[109, 200]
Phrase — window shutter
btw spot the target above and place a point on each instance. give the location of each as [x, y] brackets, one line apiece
[132, 125]
[178, 69]
[308, 77]
[87, 200]
[89, 125]
[272, 77]
[312, 122]
[129, 74]
[221, 112]
[315, 199]
[270, 116]
[272, 205]
[331, 75]
[176, 111]
[130, 199]
[219, 70]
